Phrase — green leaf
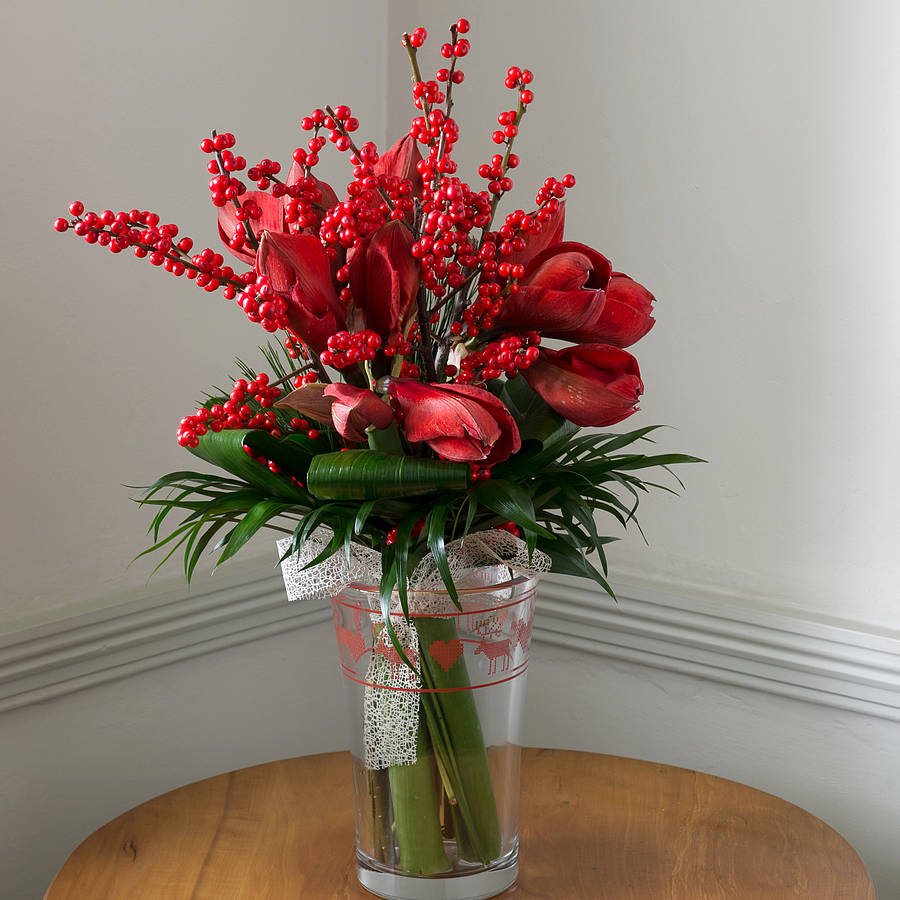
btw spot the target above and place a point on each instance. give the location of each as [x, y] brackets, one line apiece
[225, 449]
[401, 552]
[664, 459]
[569, 560]
[371, 475]
[363, 513]
[253, 520]
[511, 501]
[437, 525]
[192, 557]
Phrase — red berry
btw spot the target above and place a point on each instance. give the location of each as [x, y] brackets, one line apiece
[76, 207]
[462, 26]
[60, 224]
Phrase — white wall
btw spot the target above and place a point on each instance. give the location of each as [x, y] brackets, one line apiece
[740, 160]
[103, 356]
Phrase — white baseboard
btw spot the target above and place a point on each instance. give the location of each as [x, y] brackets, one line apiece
[776, 652]
[780, 652]
[105, 645]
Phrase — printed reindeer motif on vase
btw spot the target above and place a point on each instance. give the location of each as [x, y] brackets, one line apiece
[491, 645]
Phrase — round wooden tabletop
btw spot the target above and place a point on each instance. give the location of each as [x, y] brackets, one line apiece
[591, 826]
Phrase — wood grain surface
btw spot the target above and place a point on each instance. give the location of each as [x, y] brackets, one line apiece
[591, 826]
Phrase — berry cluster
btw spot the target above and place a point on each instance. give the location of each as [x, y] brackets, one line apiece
[263, 173]
[346, 349]
[157, 243]
[391, 537]
[262, 305]
[234, 412]
[303, 207]
[508, 356]
[445, 251]
[222, 186]
[511, 527]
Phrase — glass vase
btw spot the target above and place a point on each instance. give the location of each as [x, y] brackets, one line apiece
[435, 734]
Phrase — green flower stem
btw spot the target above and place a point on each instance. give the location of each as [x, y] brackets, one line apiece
[456, 733]
[417, 814]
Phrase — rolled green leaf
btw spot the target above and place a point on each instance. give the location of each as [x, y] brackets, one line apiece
[455, 728]
[225, 449]
[415, 793]
[371, 475]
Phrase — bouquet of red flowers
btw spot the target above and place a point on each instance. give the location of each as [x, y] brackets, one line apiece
[410, 399]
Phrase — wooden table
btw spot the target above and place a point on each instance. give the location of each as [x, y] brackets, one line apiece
[592, 826]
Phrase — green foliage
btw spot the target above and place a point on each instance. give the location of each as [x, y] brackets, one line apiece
[553, 490]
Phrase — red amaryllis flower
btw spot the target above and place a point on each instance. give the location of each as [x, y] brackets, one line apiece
[350, 410]
[355, 409]
[591, 384]
[569, 291]
[299, 270]
[459, 422]
[384, 279]
[561, 292]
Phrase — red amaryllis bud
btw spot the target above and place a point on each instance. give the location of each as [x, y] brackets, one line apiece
[590, 384]
[625, 316]
[355, 409]
[384, 279]
[459, 422]
[272, 219]
[299, 270]
[400, 161]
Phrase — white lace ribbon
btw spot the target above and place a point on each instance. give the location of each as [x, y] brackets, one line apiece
[391, 707]
[467, 558]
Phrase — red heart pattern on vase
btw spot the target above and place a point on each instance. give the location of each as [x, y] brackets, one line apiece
[446, 653]
[522, 632]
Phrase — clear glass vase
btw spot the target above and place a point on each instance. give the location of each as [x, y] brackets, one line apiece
[435, 735]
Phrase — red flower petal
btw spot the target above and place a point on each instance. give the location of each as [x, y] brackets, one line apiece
[552, 313]
[625, 317]
[272, 220]
[298, 268]
[568, 266]
[355, 409]
[309, 400]
[384, 279]
[590, 384]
